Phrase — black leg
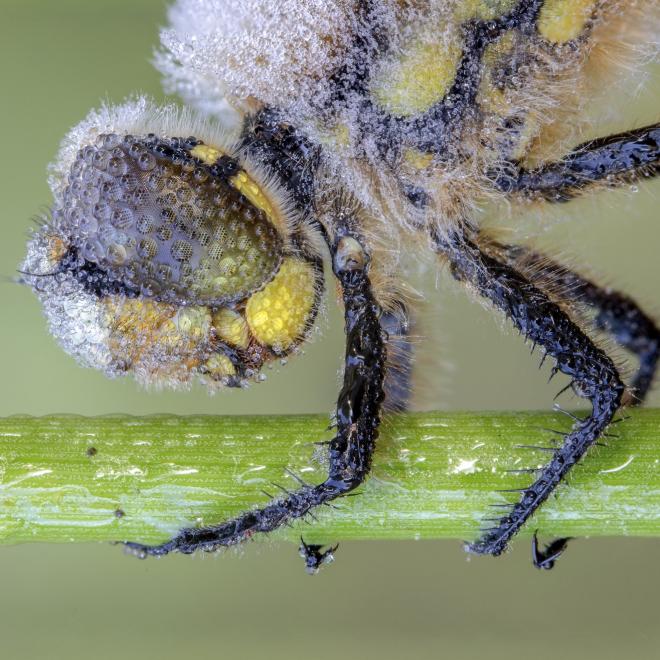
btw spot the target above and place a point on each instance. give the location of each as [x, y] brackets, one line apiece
[358, 417]
[612, 160]
[543, 322]
[616, 313]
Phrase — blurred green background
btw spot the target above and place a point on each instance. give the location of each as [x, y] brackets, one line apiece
[381, 600]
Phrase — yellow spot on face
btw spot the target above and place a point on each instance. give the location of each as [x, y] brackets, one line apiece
[206, 154]
[419, 79]
[219, 366]
[564, 20]
[418, 160]
[231, 327]
[248, 187]
[491, 98]
[142, 328]
[278, 314]
[483, 9]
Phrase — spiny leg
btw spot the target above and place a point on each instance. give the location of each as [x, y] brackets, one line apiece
[358, 417]
[616, 313]
[542, 321]
[612, 160]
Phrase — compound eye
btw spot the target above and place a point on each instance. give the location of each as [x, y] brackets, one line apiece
[171, 219]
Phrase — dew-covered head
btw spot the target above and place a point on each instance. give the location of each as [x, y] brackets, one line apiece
[167, 254]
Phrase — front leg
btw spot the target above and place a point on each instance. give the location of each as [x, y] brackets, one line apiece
[543, 322]
[358, 417]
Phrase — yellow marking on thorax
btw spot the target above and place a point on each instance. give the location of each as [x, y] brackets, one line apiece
[564, 20]
[277, 315]
[490, 97]
[420, 78]
[206, 153]
[484, 10]
[418, 160]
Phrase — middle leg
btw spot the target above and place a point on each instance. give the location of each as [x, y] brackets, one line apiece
[542, 321]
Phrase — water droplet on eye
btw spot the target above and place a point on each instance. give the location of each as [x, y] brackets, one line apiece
[111, 140]
[117, 166]
[116, 253]
[144, 224]
[88, 225]
[102, 211]
[147, 248]
[146, 162]
[122, 218]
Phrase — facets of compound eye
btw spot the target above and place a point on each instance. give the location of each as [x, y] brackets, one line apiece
[147, 248]
[164, 233]
[168, 215]
[153, 182]
[128, 181]
[228, 266]
[181, 250]
[122, 217]
[183, 194]
[144, 224]
[140, 196]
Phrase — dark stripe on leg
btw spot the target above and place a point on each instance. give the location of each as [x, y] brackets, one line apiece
[613, 160]
[541, 321]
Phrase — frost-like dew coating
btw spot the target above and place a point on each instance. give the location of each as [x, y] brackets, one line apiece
[167, 229]
[375, 128]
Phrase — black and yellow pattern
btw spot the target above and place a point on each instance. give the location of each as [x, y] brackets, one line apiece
[176, 258]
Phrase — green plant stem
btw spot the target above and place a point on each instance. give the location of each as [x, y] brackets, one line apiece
[67, 478]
